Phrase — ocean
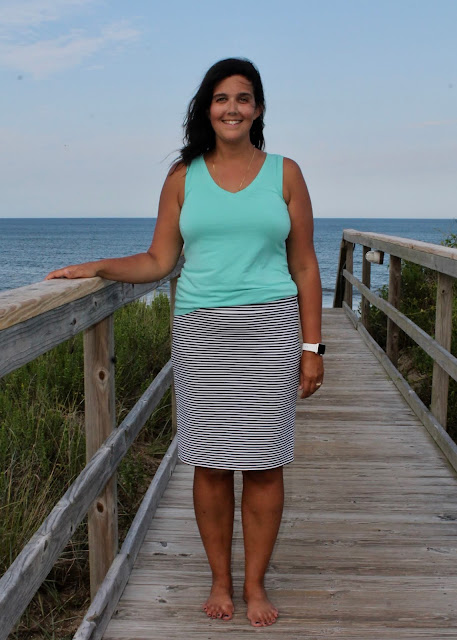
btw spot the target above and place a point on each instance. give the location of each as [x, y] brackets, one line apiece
[31, 247]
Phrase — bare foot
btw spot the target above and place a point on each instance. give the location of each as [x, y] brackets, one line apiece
[260, 612]
[219, 603]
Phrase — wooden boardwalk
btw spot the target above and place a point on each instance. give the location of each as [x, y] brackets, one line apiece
[368, 544]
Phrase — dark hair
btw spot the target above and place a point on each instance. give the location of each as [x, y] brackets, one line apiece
[199, 135]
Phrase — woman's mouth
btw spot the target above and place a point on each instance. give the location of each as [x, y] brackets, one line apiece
[232, 123]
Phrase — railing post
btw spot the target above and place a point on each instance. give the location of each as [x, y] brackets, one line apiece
[173, 283]
[393, 331]
[339, 284]
[350, 268]
[443, 333]
[366, 280]
[100, 417]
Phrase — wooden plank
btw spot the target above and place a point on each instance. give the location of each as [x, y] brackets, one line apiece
[440, 436]
[445, 359]
[349, 268]
[39, 329]
[23, 303]
[443, 335]
[100, 422]
[366, 280]
[368, 543]
[20, 582]
[103, 605]
[393, 331]
[427, 254]
[339, 285]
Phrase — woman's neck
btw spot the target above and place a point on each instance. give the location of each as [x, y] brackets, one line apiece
[229, 152]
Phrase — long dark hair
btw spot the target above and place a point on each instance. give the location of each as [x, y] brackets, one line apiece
[199, 135]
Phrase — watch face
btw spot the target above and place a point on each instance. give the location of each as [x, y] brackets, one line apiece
[321, 349]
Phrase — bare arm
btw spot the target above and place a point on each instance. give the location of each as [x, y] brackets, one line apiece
[158, 260]
[304, 270]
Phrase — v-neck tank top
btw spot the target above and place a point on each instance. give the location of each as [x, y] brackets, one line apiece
[234, 243]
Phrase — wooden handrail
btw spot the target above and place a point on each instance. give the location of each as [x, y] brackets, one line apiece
[34, 319]
[427, 254]
[433, 348]
[441, 259]
[33, 322]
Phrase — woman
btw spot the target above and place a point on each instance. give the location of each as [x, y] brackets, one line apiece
[250, 276]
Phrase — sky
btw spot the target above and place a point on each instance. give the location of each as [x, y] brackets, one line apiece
[361, 93]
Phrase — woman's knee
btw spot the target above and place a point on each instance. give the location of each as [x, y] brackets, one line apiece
[213, 475]
[264, 476]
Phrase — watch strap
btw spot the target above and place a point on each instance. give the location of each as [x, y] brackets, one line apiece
[317, 347]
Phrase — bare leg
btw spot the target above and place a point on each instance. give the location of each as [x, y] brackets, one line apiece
[214, 505]
[261, 507]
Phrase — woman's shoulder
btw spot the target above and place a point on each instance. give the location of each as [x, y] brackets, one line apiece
[175, 181]
[177, 170]
[292, 177]
[290, 166]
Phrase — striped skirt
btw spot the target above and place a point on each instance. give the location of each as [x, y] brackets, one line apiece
[236, 376]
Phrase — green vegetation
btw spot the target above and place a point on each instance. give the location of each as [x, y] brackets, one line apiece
[418, 302]
[42, 450]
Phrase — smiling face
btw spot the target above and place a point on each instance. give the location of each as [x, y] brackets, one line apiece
[233, 109]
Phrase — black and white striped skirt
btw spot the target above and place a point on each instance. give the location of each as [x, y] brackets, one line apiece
[236, 376]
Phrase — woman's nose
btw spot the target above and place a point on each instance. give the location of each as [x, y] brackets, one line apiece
[232, 107]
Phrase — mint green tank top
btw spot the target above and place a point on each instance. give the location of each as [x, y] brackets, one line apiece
[234, 243]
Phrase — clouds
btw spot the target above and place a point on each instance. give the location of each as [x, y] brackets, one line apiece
[24, 49]
[30, 13]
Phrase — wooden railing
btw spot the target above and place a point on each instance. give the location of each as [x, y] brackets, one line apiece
[34, 319]
[441, 259]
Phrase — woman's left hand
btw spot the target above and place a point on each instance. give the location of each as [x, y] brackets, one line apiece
[311, 373]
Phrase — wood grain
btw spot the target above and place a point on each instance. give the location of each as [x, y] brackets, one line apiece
[23, 578]
[368, 543]
[393, 331]
[31, 324]
[432, 347]
[100, 422]
[427, 254]
[443, 335]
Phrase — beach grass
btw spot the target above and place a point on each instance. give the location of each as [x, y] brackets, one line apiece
[42, 450]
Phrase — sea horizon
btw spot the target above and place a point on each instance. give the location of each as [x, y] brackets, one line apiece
[30, 247]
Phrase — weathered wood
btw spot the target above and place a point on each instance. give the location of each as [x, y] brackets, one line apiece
[23, 342]
[433, 256]
[103, 605]
[366, 279]
[434, 428]
[445, 359]
[340, 281]
[349, 268]
[20, 582]
[174, 420]
[23, 303]
[366, 548]
[443, 334]
[393, 331]
[100, 420]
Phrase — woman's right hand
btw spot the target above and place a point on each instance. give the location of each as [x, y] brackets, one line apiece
[84, 270]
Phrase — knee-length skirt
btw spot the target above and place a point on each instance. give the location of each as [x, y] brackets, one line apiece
[236, 375]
